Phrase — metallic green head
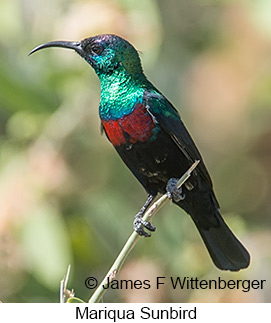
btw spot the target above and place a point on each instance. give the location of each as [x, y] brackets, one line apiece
[105, 53]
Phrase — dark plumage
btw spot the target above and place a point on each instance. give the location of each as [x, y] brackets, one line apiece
[147, 132]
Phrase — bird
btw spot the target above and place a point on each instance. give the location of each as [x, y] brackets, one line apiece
[150, 137]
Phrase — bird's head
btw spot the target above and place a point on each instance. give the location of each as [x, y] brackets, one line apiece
[105, 53]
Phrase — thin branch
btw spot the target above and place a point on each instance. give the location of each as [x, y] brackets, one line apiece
[65, 293]
[115, 268]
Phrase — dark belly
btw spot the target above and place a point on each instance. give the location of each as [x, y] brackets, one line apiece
[154, 162]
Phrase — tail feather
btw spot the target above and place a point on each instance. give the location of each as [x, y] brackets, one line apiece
[226, 251]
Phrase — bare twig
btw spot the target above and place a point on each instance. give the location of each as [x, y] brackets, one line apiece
[129, 245]
[65, 293]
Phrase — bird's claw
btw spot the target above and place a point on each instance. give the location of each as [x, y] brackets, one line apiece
[140, 224]
[174, 193]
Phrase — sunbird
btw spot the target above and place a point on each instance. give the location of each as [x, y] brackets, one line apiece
[150, 137]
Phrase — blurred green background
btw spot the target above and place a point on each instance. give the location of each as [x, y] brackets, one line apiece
[65, 195]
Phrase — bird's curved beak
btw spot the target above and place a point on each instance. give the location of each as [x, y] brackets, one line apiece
[59, 43]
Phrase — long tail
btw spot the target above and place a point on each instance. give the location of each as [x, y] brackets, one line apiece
[226, 251]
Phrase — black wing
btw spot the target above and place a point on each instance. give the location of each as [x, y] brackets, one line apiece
[169, 119]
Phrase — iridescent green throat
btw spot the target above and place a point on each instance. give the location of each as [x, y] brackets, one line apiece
[119, 93]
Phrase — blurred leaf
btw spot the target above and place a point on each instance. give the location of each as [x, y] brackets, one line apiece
[16, 94]
[24, 125]
[75, 300]
[46, 246]
[210, 58]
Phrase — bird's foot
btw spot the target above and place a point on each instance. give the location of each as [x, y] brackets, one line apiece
[140, 224]
[174, 193]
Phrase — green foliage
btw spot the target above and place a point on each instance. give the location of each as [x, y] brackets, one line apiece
[75, 300]
[66, 197]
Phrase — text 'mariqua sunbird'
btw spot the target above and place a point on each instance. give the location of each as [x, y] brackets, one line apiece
[150, 137]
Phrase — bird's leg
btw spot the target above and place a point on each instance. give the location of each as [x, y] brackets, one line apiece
[174, 193]
[139, 223]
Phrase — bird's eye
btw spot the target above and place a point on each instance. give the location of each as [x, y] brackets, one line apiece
[96, 49]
